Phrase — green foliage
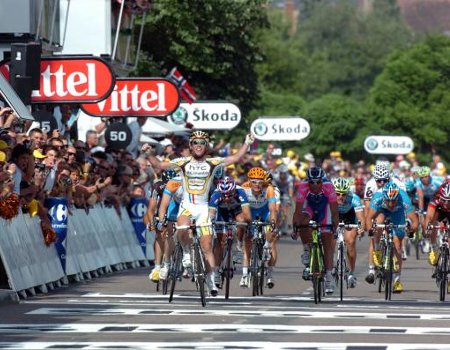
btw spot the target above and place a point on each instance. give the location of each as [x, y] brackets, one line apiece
[412, 95]
[212, 42]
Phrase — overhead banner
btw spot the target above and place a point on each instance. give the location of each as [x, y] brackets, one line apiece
[71, 80]
[146, 97]
[207, 115]
[280, 129]
[388, 144]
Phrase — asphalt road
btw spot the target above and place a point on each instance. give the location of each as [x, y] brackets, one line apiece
[123, 310]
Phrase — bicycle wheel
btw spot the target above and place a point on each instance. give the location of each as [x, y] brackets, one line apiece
[175, 270]
[228, 271]
[417, 236]
[442, 273]
[200, 275]
[341, 270]
[254, 268]
[261, 269]
[380, 271]
[388, 273]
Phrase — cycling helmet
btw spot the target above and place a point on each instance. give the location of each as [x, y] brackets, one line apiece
[226, 186]
[444, 191]
[424, 171]
[268, 178]
[415, 169]
[282, 168]
[315, 174]
[168, 175]
[257, 173]
[390, 191]
[381, 172]
[341, 184]
[198, 134]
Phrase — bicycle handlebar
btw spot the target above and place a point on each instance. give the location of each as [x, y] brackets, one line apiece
[349, 226]
[227, 223]
[185, 227]
[376, 225]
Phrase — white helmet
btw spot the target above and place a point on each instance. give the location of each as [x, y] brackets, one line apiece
[381, 172]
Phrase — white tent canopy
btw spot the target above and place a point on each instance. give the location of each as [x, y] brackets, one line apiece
[147, 139]
[158, 126]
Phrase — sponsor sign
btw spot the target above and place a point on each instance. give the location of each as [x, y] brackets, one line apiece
[280, 129]
[147, 97]
[71, 80]
[58, 215]
[207, 115]
[137, 209]
[388, 144]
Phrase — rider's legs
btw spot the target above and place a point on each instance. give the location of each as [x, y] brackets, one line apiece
[350, 241]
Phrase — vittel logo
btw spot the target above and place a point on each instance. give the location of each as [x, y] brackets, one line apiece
[138, 97]
[388, 144]
[72, 80]
[208, 115]
[283, 129]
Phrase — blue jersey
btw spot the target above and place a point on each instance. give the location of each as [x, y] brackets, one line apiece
[430, 189]
[352, 201]
[238, 200]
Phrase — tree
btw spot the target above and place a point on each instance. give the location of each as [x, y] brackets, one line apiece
[412, 95]
[212, 42]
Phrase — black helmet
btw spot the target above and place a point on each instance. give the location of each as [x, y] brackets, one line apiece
[315, 174]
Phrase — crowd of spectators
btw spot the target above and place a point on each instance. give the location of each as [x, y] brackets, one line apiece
[35, 165]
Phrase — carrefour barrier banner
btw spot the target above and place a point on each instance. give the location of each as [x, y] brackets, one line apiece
[58, 214]
[137, 209]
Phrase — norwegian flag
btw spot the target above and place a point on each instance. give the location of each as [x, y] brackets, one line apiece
[187, 92]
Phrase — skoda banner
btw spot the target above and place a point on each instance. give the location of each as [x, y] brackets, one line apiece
[280, 129]
[207, 115]
[58, 214]
[388, 144]
[137, 209]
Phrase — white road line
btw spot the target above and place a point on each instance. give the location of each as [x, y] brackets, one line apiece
[232, 313]
[217, 345]
[216, 329]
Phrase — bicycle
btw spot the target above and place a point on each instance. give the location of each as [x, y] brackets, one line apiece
[418, 236]
[386, 270]
[442, 268]
[259, 255]
[340, 267]
[227, 267]
[316, 262]
[199, 270]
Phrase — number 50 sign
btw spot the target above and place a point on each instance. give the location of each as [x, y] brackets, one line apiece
[118, 136]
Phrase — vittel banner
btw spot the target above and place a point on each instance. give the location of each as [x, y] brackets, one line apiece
[280, 129]
[207, 115]
[147, 97]
[71, 80]
[388, 144]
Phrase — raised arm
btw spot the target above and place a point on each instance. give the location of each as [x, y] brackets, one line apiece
[233, 159]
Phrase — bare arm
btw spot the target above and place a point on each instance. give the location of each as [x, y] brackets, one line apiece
[414, 221]
[297, 213]
[371, 214]
[233, 159]
[163, 206]
[420, 196]
[148, 217]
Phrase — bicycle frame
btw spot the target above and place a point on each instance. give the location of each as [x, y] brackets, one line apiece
[442, 268]
[257, 263]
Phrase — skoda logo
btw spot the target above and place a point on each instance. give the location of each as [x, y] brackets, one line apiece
[371, 144]
[260, 129]
[179, 117]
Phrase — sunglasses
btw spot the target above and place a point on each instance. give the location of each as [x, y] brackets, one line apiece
[199, 142]
[312, 182]
[71, 154]
[256, 182]
[341, 194]
[382, 180]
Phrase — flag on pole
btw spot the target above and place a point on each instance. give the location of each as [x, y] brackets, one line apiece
[186, 91]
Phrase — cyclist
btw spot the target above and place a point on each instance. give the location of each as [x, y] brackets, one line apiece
[350, 208]
[268, 180]
[228, 202]
[285, 183]
[262, 202]
[438, 211]
[316, 200]
[381, 175]
[197, 175]
[393, 203]
[426, 186]
[149, 220]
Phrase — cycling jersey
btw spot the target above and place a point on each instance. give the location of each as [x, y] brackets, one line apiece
[259, 205]
[317, 205]
[352, 202]
[197, 177]
[371, 187]
[396, 214]
[430, 189]
[175, 191]
[227, 210]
